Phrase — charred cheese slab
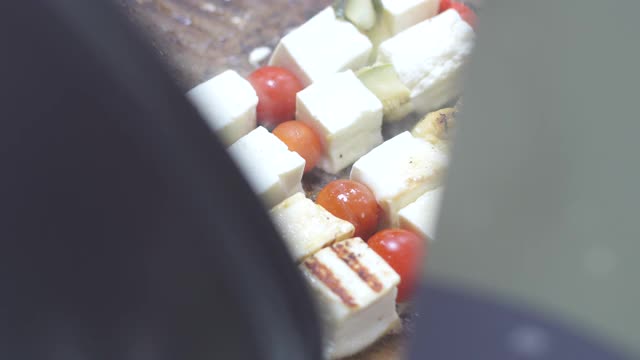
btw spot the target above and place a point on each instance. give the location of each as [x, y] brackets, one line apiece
[355, 290]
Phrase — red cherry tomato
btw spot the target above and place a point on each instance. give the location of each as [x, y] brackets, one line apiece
[352, 202]
[276, 88]
[444, 5]
[300, 138]
[466, 13]
[403, 251]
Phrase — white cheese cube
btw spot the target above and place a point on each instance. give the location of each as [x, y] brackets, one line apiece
[432, 70]
[346, 116]
[421, 216]
[306, 227]
[398, 172]
[439, 88]
[322, 46]
[356, 291]
[274, 172]
[228, 103]
[402, 14]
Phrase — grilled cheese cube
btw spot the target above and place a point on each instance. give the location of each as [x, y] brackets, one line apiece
[398, 172]
[228, 104]
[322, 46]
[402, 14]
[437, 127]
[421, 216]
[346, 116]
[433, 70]
[307, 227]
[274, 172]
[355, 290]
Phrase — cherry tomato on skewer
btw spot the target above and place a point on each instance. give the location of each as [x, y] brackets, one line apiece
[276, 88]
[353, 202]
[403, 251]
[301, 138]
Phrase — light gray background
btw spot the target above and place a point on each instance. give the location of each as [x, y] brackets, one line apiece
[542, 203]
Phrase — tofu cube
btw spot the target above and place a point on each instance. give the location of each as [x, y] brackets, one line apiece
[433, 70]
[274, 172]
[355, 290]
[421, 216]
[322, 46]
[228, 104]
[402, 14]
[398, 172]
[306, 227]
[346, 116]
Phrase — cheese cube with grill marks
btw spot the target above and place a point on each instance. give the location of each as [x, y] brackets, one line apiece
[355, 290]
[307, 227]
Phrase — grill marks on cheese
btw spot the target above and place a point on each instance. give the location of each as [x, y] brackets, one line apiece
[329, 279]
[351, 259]
[324, 274]
[356, 291]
